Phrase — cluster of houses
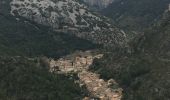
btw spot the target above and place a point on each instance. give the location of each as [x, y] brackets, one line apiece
[79, 63]
[98, 88]
[75, 63]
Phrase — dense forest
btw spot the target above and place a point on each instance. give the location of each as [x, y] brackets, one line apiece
[24, 79]
[136, 15]
[143, 73]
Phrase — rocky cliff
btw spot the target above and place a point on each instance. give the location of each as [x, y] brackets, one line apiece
[101, 4]
[71, 17]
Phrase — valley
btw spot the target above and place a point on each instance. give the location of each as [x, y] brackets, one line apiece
[84, 50]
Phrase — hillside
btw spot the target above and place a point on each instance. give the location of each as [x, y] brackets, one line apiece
[23, 79]
[160, 37]
[19, 37]
[144, 75]
[70, 17]
[136, 15]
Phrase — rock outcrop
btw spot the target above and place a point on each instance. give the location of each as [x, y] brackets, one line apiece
[98, 3]
[71, 17]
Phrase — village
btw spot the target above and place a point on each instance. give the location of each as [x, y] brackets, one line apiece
[79, 63]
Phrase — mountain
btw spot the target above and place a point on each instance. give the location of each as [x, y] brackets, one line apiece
[21, 37]
[136, 15]
[23, 79]
[32, 29]
[29, 31]
[22, 44]
[143, 74]
[70, 17]
[160, 37]
[98, 4]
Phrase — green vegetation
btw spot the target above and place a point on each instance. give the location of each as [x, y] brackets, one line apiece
[159, 44]
[136, 14]
[144, 75]
[24, 79]
[26, 39]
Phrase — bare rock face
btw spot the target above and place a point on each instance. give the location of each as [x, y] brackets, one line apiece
[99, 3]
[71, 17]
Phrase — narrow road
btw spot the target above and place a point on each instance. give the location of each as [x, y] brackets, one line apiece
[79, 63]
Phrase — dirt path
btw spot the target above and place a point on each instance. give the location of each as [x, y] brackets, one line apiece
[79, 63]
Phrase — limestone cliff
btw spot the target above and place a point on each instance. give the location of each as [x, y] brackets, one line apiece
[70, 16]
[98, 3]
